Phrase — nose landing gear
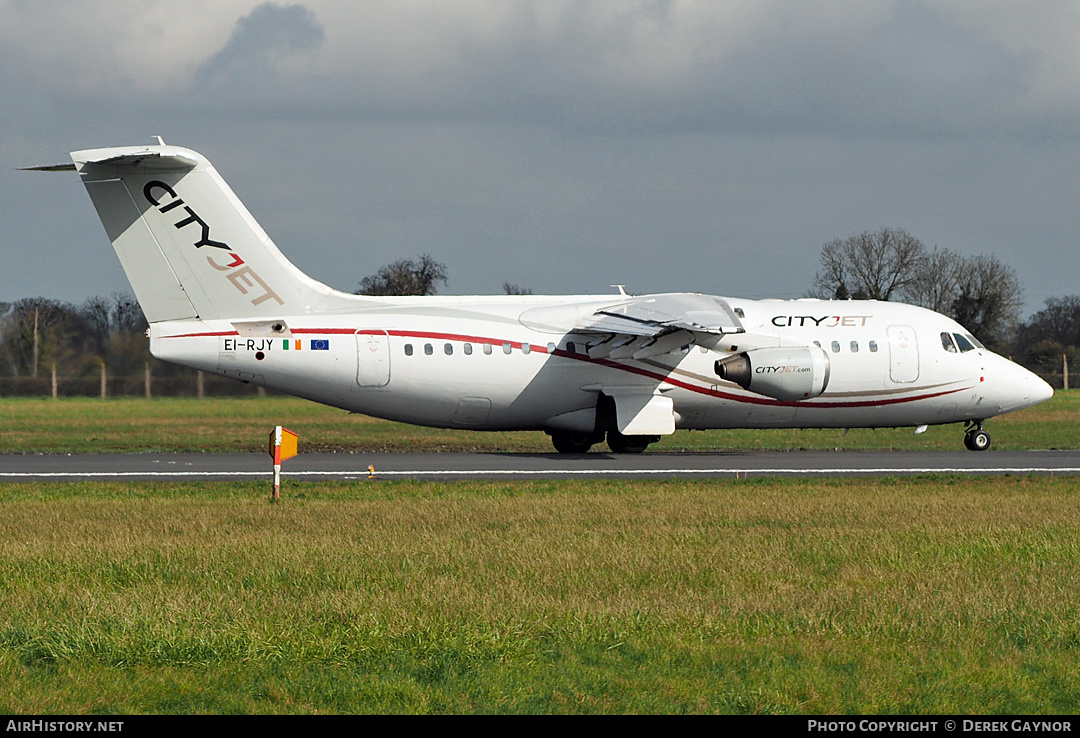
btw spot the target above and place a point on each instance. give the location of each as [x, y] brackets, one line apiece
[976, 439]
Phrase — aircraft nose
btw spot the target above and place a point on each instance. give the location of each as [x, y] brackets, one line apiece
[1024, 389]
[1041, 391]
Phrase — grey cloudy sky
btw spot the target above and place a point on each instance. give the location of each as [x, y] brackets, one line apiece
[564, 146]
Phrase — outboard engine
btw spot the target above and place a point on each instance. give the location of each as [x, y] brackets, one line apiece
[786, 374]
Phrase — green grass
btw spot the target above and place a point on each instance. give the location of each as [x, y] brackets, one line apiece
[873, 596]
[79, 425]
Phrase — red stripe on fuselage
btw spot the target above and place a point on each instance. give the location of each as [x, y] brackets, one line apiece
[204, 335]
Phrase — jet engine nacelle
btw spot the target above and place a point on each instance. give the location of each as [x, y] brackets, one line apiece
[787, 374]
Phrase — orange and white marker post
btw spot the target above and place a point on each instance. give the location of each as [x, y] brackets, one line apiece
[282, 446]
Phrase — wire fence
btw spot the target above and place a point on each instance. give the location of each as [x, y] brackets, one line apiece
[105, 385]
[1057, 379]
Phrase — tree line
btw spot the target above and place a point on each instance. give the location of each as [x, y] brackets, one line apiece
[37, 332]
[101, 341]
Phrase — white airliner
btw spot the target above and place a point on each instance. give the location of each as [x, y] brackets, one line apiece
[221, 298]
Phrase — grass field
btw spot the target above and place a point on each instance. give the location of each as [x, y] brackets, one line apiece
[77, 425]
[926, 595]
[914, 595]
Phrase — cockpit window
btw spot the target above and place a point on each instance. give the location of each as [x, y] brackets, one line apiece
[974, 340]
[964, 344]
[947, 343]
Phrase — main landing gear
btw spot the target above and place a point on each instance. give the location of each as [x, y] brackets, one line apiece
[621, 444]
[976, 439]
[566, 442]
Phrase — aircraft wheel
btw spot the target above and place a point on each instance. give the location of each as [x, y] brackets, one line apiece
[977, 440]
[572, 443]
[621, 444]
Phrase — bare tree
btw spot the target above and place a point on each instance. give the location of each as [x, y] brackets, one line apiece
[513, 289]
[96, 312]
[38, 331]
[937, 281]
[988, 299]
[127, 315]
[869, 266]
[979, 292]
[1058, 322]
[405, 277]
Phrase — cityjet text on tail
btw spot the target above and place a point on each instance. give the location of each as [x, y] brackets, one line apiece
[220, 297]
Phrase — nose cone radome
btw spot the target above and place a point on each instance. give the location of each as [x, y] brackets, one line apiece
[1020, 388]
[1041, 392]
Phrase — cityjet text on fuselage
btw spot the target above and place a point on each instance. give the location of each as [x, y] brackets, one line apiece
[825, 321]
[782, 369]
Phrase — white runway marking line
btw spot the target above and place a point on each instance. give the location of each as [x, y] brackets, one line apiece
[549, 472]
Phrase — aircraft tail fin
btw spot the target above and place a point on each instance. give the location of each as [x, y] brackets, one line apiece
[188, 245]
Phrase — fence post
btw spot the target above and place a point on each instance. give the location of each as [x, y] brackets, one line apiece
[54, 381]
[35, 342]
[200, 384]
[104, 383]
[1065, 370]
[146, 378]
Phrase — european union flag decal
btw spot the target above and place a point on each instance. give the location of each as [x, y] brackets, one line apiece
[320, 344]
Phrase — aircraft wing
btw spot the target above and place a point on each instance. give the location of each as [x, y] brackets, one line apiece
[653, 315]
[652, 325]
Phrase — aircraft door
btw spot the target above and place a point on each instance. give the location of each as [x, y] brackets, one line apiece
[903, 354]
[373, 359]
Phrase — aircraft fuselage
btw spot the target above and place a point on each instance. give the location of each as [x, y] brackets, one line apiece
[473, 363]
